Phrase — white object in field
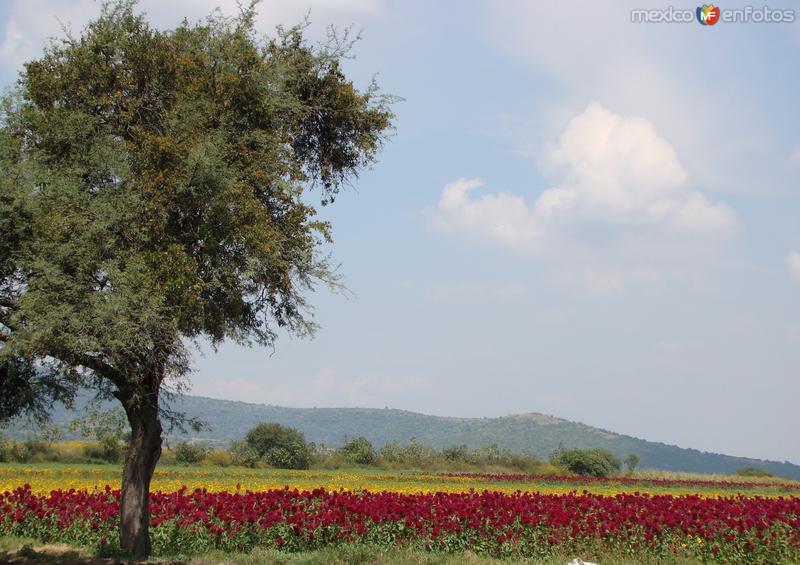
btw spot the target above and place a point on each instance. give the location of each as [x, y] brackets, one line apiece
[580, 562]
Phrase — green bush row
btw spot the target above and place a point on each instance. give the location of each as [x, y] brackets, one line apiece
[273, 445]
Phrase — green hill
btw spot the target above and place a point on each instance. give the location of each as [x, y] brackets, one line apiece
[532, 433]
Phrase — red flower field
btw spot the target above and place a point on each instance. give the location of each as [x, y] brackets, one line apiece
[730, 529]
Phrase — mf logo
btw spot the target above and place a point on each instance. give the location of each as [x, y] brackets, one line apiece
[708, 14]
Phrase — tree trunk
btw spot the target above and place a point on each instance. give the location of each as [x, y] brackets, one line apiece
[140, 462]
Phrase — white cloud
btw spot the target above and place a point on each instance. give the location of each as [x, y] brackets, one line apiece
[502, 217]
[793, 263]
[611, 171]
[620, 170]
[730, 144]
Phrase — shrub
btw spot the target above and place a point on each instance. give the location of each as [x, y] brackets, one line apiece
[631, 461]
[359, 451]
[587, 462]
[244, 455]
[105, 450]
[110, 430]
[753, 472]
[279, 446]
[456, 454]
[219, 458]
[414, 454]
[188, 454]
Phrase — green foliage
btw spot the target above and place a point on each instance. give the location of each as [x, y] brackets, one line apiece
[752, 472]
[109, 429]
[359, 451]
[28, 451]
[219, 458]
[279, 446]
[413, 454]
[589, 462]
[188, 454]
[244, 455]
[153, 190]
[490, 456]
[456, 453]
[631, 461]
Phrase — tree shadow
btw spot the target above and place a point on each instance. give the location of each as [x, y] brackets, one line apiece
[29, 555]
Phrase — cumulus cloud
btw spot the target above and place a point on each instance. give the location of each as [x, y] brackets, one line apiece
[503, 217]
[793, 263]
[610, 171]
[652, 71]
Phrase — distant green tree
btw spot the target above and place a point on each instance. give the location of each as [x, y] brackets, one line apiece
[490, 454]
[392, 452]
[359, 451]
[588, 462]
[5, 449]
[456, 454]
[188, 454]
[631, 461]
[279, 446]
[109, 428]
[50, 433]
[244, 455]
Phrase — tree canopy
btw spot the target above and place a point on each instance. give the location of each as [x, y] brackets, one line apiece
[153, 192]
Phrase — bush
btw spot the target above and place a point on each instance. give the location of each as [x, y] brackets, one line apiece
[106, 450]
[243, 455]
[5, 450]
[359, 451]
[753, 472]
[279, 446]
[631, 461]
[414, 454]
[188, 454]
[219, 458]
[587, 462]
[456, 454]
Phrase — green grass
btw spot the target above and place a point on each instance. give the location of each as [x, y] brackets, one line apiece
[29, 551]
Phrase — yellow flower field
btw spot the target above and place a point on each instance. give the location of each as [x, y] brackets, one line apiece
[46, 477]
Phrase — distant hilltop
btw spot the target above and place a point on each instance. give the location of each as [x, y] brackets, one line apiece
[530, 433]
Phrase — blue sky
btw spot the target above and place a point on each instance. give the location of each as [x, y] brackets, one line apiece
[577, 215]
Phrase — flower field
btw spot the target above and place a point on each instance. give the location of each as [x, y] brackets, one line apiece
[428, 512]
[46, 477]
[693, 485]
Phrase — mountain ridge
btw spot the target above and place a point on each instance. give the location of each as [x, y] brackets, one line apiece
[529, 432]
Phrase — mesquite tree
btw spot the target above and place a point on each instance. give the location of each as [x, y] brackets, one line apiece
[152, 194]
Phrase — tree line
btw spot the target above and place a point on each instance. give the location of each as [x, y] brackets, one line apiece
[271, 445]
